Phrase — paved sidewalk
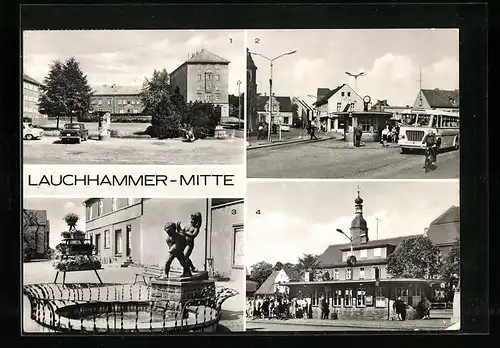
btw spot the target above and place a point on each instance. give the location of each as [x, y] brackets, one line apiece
[412, 325]
[263, 143]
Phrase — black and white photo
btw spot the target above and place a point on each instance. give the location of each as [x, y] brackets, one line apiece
[344, 256]
[370, 103]
[111, 265]
[133, 97]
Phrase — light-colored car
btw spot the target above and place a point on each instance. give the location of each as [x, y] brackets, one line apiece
[30, 132]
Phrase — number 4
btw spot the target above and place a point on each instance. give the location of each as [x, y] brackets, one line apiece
[257, 212]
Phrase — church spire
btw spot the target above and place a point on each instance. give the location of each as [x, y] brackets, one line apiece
[359, 229]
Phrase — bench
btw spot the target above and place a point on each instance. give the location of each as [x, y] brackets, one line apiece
[149, 271]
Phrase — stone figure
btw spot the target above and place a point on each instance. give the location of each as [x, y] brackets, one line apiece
[180, 240]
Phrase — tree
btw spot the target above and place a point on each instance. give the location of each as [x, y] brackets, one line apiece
[158, 101]
[260, 272]
[307, 262]
[451, 267]
[414, 257]
[202, 116]
[295, 116]
[179, 101]
[31, 228]
[65, 91]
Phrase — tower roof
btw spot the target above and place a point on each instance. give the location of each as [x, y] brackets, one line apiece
[358, 221]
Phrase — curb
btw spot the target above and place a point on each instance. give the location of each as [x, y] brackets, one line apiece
[278, 143]
[351, 325]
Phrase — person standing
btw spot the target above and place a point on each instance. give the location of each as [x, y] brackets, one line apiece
[385, 135]
[312, 131]
[358, 132]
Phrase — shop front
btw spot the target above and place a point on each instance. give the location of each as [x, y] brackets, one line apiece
[359, 299]
[372, 123]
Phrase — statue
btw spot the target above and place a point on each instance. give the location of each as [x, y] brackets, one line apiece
[180, 241]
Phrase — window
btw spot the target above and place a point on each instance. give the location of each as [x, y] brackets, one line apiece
[106, 206]
[119, 102]
[113, 204]
[217, 96]
[339, 106]
[99, 102]
[361, 273]
[315, 298]
[88, 213]
[377, 252]
[118, 241]
[106, 239]
[352, 106]
[361, 298]
[348, 94]
[342, 94]
[363, 253]
[348, 274]
[208, 85]
[198, 96]
[99, 208]
[217, 77]
[109, 101]
[208, 76]
[238, 247]
[198, 86]
[199, 77]
[377, 272]
[94, 210]
[129, 240]
[336, 274]
[348, 299]
[208, 98]
[217, 87]
[286, 120]
[379, 297]
[337, 298]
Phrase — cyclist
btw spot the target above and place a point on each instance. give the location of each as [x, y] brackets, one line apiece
[432, 143]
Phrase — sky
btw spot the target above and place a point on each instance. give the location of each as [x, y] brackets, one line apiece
[56, 209]
[390, 59]
[301, 217]
[126, 57]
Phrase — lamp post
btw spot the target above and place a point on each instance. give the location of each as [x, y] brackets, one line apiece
[315, 97]
[350, 239]
[239, 104]
[114, 102]
[271, 88]
[378, 220]
[355, 81]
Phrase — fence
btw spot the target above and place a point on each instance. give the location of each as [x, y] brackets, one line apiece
[107, 308]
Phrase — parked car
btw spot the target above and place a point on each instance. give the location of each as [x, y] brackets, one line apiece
[74, 132]
[30, 132]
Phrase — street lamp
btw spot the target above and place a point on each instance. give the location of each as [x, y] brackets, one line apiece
[355, 81]
[114, 102]
[350, 239]
[271, 88]
[239, 104]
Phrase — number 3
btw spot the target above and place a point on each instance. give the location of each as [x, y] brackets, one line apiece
[233, 211]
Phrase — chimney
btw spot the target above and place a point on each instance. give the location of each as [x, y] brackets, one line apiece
[425, 231]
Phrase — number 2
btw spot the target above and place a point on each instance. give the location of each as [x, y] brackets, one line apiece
[257, 40]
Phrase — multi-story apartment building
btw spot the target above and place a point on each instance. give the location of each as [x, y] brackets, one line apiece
[126, 230]
[121, 100]
[204, 77]
[31, 94]
[36, 232]
[364, 288]
[252, 118]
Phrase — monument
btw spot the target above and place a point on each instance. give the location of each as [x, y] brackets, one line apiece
[169, 292]
[104, 125]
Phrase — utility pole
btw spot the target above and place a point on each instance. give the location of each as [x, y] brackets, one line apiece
[239, 104]
[420, 88]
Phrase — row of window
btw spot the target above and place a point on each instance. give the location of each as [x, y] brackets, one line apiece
[348, 273]
[30, 98]
[107, 205]
[30, 86]
[339, 107]
[349, 298]
[123, 111]
[27, 109]
[343, 94]
[363, 253]
[120, 102]
[117, 241]
[208, 97]
[208, 77]
[208, 86]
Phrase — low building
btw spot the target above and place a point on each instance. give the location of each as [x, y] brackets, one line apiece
[305, 112]
[118, 100]
[438, 99]
[31, 95]
[372, 123]
[282, 110]
[36, 233]
[273, 284]
[204, 77]
[341, 99]
[125, 230]
[360, 287]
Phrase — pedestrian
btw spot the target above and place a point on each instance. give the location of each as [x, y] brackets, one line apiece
[398, 307]
[358, 133]
[312, 130]
[385, 135]
[324, 308]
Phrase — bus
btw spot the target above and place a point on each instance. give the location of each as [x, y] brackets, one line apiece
[415, 124]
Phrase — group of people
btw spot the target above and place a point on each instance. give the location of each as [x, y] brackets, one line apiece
[278, 307]
[390, 134]
[423, 308]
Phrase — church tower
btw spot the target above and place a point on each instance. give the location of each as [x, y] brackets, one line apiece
[359, 229]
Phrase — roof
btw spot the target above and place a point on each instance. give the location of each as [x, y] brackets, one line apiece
[446, 227]
[31, 80]
[321, 92]
[332, 256]
[327, 96]
[116, 90]
[250, 62]
[303, 103]
[439, 98]
[268, 286]
[205, 56]
[379, 104]
[285, 103]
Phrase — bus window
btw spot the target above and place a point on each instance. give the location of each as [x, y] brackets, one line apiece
[423, 120]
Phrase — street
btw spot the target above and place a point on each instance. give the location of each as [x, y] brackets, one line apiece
[333, 159]
[49, 150]
[39, 272]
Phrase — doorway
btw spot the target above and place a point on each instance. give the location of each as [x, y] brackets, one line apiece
[98, 244]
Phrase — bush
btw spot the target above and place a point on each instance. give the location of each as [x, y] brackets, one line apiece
[153, 132]
[130, 119]
[113, 133]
